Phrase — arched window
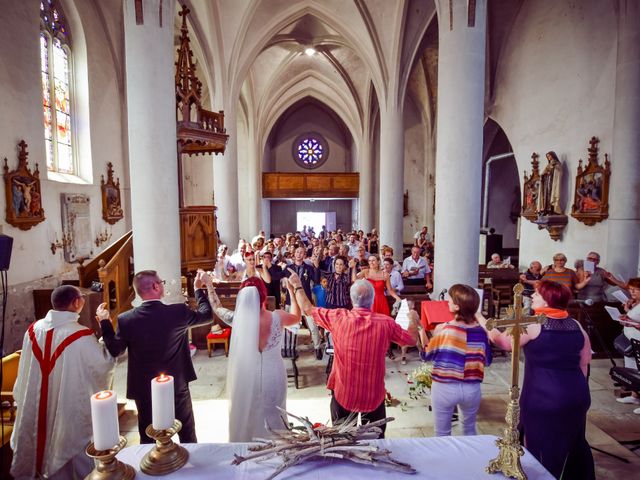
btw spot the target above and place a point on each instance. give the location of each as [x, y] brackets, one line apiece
[55, 62]
[310, 150]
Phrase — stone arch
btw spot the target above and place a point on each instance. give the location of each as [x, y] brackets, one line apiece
[502, 195]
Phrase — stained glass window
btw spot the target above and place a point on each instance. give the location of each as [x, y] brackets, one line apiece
[310, 150]
[55, 58]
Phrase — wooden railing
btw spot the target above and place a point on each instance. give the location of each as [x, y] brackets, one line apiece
[116, 276]
[88, 273]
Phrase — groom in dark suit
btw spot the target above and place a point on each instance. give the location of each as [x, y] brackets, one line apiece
[156, 336]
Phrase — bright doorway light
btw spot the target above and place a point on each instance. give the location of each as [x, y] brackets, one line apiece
[311, 219]
[310, 51]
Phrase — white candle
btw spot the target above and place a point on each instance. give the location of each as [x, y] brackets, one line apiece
[162, 402]
[104, 419]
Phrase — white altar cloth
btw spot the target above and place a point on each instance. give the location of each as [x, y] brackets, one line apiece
[439, 458]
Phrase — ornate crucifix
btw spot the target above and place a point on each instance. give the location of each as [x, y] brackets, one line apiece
[508, 459]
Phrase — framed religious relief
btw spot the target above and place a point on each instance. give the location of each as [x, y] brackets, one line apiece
[591, 196]
[76, 226]
[23, 194]
[530, 191]
[111, 203]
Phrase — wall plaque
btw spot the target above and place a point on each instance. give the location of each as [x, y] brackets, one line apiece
[76, 226]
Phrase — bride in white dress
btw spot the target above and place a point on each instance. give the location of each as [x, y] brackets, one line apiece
[256, 376]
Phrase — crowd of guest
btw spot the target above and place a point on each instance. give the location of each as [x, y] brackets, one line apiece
[328, 263]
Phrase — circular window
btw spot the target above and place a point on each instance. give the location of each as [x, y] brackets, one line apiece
[310, 150]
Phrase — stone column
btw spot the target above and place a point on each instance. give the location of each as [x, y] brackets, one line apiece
[391, 178]
[225, 182]
[365, 193]
[151, 116]
[252, 198]
[623, 234]
[461, 80]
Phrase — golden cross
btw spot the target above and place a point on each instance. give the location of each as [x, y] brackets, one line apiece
[516, 321]
[508, 460]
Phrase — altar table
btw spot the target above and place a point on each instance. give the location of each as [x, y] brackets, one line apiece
[439, 458]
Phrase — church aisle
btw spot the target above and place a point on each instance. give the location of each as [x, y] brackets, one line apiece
[608, 420]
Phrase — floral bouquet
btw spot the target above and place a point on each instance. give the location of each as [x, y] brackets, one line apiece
[420, 380]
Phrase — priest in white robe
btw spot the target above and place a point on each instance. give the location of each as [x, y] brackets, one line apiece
[62, 364]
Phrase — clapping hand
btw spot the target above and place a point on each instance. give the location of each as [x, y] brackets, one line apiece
[102, 313]
[294, 279]
[199, 280]
[288, 285]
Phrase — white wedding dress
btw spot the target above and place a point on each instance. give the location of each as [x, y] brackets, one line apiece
[256, 381]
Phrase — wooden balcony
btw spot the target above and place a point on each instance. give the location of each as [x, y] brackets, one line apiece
[206, 135]
[310, 185]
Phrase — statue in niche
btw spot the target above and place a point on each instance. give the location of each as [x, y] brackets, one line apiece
[548, 201]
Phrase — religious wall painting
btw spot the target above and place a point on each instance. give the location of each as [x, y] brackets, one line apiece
[111, 200]
[76, 226]
[591, 196]
[23, 193]
[530, 189]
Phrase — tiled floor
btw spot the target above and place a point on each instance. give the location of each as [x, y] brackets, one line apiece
[609, 421]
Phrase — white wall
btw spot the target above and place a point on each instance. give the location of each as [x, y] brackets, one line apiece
[311, 118]
[32, 264]
[554, 90]
[197, 179]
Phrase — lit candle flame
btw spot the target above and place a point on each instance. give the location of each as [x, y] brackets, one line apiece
[103, 395]
[162, 378]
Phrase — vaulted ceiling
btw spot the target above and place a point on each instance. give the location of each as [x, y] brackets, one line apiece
[366, 53]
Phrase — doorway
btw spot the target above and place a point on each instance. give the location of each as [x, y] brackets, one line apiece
[316, 220]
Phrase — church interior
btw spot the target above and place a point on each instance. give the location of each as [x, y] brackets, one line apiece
[144, 134]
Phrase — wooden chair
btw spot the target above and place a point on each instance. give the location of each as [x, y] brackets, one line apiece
[290, 350]
[215, 338]
[10, 365]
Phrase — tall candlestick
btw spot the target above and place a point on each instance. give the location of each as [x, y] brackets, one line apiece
[162, 402]
[104, 419]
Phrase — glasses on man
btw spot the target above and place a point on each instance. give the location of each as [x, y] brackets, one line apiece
[163, 282]
[559, 259]
[593, 259]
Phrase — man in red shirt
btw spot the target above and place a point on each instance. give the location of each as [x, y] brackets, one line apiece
[361, 339]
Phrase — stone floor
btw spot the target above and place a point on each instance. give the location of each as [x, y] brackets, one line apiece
[609, 422]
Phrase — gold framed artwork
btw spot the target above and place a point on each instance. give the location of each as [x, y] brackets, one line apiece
[111, 200]
[591, 195]
[23, 194]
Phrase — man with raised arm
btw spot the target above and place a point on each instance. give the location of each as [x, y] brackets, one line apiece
[155, 334]
[361, 339]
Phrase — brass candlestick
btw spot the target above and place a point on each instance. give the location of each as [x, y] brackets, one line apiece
[166, 457]
[107, 466]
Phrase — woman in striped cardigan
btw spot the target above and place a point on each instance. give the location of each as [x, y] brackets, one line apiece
[459, 350]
